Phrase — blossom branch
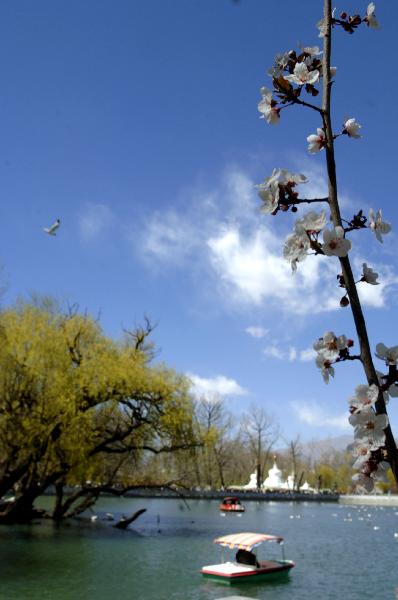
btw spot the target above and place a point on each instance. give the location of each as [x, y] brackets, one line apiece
[308, 105]
[309, 200]
[365, 353]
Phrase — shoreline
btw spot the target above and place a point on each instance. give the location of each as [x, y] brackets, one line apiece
[364, 499]
[219, 495]
[370, 500]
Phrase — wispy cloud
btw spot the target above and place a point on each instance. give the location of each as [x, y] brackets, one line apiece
[317, 186]
[211, 388]
[221, 233]
[274, 352]
[307, 355]
[376, 296]
[290, 354]
[169, 237]
[257, 332]
[251, 268]
[314, 415]
[94, 219]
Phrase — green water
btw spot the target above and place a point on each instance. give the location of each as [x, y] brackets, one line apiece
[338, 553]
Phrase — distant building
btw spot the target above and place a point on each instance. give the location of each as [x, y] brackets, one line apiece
[252, 485]
[274, 482]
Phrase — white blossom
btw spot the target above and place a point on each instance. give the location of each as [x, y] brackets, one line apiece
[371, 17]
[382, 380]
[281, 61]
[316, 141]
[311, 50]
[381, 472]
[295, 248]
[312, 222]
[363, 481]
[377, 225]
[362, 453]
[351, 127]
[365, 397]
[321, 25]
[283, 176]
[334, 242]
[269, 112]
[369, 426]
[269, 196]
[332, 71]
[329, 345]
[389, 355]
[369, 275]
[326, 368]
[301, 75]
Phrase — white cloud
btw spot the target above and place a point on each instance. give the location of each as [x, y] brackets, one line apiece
[211, 388]
[376, 296]
[313, 414]
[169, 237]
[257, 332]
[172, 237]
[290, 354]
[317, 186]
[221, 234]
[274, 352]
[252, 270]
[94, 220]
[307, 355]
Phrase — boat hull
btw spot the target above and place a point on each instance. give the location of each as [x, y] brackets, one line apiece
[232, 508]
[230, 573]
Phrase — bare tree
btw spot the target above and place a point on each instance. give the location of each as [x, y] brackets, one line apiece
[295, 451]
[260, 432]
[215, 424]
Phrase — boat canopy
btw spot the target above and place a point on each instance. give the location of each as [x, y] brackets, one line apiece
[246, 541]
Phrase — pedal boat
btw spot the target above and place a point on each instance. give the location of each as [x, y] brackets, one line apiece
[231, 504]
[234, 572]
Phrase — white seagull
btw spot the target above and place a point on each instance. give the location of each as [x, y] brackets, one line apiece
[51, 230]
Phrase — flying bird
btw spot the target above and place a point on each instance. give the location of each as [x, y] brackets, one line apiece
[51, 230]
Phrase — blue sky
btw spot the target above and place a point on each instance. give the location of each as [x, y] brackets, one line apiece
[136, 124]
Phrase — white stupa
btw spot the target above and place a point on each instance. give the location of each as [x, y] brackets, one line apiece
[307, 488]
[288, 485]
[274, 480]
[252, 485]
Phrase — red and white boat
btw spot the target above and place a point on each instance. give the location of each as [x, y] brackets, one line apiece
[231, 504]
[239, 570]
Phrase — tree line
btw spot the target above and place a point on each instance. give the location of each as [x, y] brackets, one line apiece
[82, 413]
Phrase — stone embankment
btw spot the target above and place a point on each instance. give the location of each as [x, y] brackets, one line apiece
[370, 499]
[219, 495]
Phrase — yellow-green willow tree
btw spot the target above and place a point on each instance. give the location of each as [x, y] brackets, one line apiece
[78, 408]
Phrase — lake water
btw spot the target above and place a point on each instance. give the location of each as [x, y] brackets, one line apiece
[341, 552]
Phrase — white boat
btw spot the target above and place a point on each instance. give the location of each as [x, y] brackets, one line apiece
[246, 566]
